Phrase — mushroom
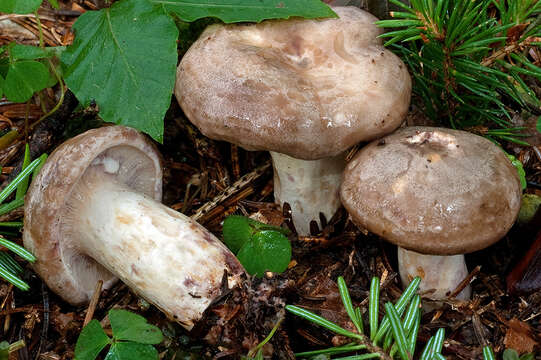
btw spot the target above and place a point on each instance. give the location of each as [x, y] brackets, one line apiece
[93, 213]
[305, 90]
[437, 194]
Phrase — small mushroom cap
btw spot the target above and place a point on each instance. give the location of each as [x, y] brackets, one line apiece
[129, 157]
[305, 88]
[433, 190]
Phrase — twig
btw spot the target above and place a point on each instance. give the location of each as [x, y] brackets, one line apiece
[93, 303]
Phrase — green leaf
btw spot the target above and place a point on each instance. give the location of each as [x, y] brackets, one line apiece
[124, 58]
[510, 354]
[4, 350]
[28, 52]
[230, 11]
[237, 231]
[132, 327]
[488, 354]
[520, 169]
[348, 305]
[318, 320]
[19, 6]
[23, 185]
[24, 78]
[54, 4]
[267, 250]
[91, 341]
[538, 125]
[132, 351]
[373, 307]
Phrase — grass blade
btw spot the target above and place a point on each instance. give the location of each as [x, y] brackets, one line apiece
[23, 186]
[374, 306]
[346, 299]
[316, 319]
[398, 331]
[332, 351]
[488, 353]
[17, 249]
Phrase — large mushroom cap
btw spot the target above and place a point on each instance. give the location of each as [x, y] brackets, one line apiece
[433, 190]
[306, 88]
[125, 155]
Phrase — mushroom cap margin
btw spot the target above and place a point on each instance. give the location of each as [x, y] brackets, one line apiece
[51, 189]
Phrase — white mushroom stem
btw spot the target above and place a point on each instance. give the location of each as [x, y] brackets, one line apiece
[440, 275]
[308, 186]
[162, 255]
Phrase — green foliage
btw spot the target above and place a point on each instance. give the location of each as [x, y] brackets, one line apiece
[394, 337]
[132, 338]
[259, 247]
[510, 354]
[528, 208]
[10, 270]
[22, 71]
[19, 6]
[6, 348]
[124, 57]
[231, 11]
[520, 169]
[466, 58]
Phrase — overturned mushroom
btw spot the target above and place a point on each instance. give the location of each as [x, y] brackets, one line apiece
[437, 194]
[93, 213]
[305, 90]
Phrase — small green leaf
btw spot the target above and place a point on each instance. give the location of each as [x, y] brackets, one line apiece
[132, 327]
[19, 6]
[230, 11]
[510, 354]
[24, 78]
[91, 341]
[28, 52]
[267, 250]
[520, 169]
[4, 350]
[131, 351]
[124, 58]
[538, 125]
[237, 231]
[54, 4]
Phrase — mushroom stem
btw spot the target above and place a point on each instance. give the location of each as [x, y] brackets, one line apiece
[440, 274]
[164, 256]
[308, 186]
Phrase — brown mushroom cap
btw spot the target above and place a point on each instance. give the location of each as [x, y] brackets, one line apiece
[433, 190]
[305, 88]
[62, 267]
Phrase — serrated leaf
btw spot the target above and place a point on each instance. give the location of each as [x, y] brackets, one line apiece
[91, 341]
[124, 58]
[132, 327]
[28, 52]
[23, 79]
[268, 250]
[132, 351]
[19, 6]
[230, 11]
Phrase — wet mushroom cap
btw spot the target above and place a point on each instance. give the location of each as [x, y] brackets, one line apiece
[305, 88]
[433, 190]
[128, 158]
